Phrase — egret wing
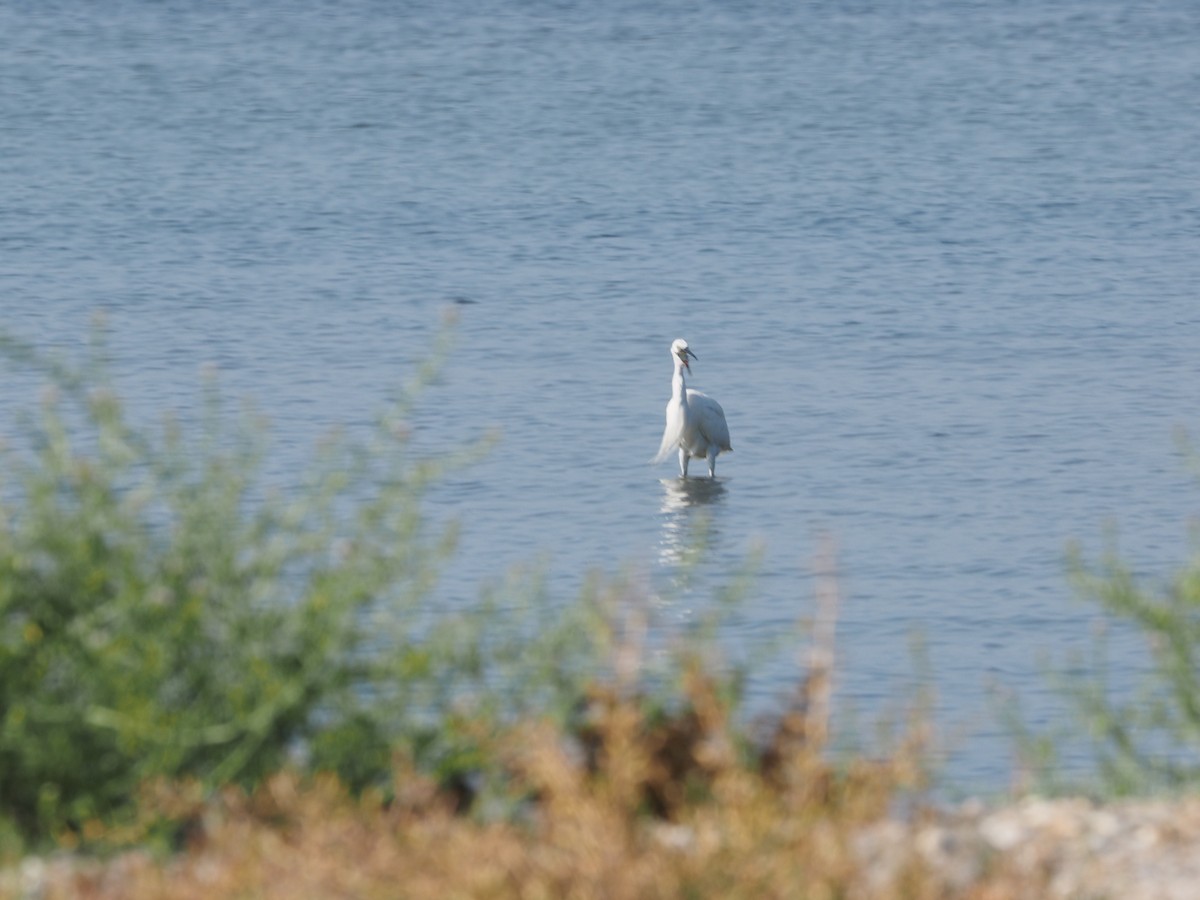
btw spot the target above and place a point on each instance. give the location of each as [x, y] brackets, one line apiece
[710, 419]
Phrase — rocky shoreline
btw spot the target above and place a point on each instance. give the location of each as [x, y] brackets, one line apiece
[1065, 848]
[1032, 848]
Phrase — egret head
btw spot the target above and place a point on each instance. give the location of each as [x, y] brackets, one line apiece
[680, 349]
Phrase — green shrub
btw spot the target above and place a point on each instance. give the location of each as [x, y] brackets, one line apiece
[1142, 733]
[165, 611]
[1145, 738]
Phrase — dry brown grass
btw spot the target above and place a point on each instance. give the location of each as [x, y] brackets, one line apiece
[630, 803]
[666, 809]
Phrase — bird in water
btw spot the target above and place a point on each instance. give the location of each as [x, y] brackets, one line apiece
[695, 422]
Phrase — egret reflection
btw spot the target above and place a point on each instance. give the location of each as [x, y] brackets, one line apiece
[683, 500]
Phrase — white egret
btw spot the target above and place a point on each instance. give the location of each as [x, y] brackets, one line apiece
[695, 421]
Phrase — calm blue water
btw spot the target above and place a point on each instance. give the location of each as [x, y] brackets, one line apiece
[939, 261]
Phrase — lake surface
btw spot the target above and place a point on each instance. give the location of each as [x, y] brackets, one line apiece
[939, 262]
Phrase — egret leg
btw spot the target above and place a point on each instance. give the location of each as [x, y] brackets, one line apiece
[712, 461]
[683, 461]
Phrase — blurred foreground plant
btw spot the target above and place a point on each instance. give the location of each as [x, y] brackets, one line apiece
[647, 792]
[1143, 738]
[166, 612]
